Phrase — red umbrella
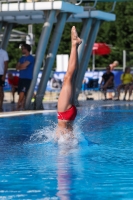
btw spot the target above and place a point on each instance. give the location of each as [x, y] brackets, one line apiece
[100, 49]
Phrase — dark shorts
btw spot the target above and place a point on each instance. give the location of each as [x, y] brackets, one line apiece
[2, 83]
[110, 87]
[16, 89]
[23, 85]
[128, 84]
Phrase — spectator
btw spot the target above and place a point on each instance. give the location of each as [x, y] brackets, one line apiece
[113, 65]
[107, 81]
[13, 82]
[25, 66]
[56, 84]
[130, 91]
[127, 80]
[3, 70]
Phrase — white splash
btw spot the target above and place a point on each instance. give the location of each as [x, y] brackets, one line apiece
[44, 135]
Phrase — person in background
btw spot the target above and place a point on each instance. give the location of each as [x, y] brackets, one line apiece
[25, 67]
[3, 70]
[13, 82]
[113, 65]
[56, 83]
[130, 91]
[127, 80]
[107, 81]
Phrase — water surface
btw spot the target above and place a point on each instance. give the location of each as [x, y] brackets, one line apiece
[99, 166]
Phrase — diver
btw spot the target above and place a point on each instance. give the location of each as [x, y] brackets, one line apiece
[66, 110]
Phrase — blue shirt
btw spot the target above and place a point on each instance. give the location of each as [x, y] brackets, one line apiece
[28, 72]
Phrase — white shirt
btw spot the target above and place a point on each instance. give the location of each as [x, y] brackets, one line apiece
[3, 58]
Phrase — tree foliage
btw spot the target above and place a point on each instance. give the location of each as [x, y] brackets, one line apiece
[118, 34]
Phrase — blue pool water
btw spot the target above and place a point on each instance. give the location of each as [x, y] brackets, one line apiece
[99, 166]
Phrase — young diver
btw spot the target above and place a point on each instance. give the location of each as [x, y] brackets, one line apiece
[66, 109]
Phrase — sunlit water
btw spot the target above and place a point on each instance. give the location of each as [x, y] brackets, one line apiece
[96, 165]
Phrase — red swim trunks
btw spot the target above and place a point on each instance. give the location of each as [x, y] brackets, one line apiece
[69, 114]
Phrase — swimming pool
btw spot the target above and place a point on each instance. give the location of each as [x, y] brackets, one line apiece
[99, 166]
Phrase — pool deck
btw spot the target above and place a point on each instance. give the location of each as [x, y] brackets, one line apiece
[9, 109]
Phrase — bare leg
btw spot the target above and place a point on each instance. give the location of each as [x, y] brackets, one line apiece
[13, 93]
[105, 92]
[126, 89]
[66, 94]
[23, 103]
[110, 95]
[118, 90]
[104, 87]
[130, 91]
[20, 100]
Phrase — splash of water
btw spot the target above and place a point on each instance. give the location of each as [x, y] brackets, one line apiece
[48, 134]
[44, 135]
[82, 119]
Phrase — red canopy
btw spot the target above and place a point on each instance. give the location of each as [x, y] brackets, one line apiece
[101, 49]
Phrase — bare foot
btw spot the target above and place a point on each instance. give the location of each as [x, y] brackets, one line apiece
[74, 37]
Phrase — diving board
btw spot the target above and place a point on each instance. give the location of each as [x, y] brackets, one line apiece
[34, 12]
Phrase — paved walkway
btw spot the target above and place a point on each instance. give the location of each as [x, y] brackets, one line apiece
[50, 105]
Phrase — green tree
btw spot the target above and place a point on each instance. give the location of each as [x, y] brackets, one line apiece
[13, 48]
[118, 34]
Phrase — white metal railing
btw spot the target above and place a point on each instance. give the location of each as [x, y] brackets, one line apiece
[18, 1]
[29, 1]
[10, 1]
